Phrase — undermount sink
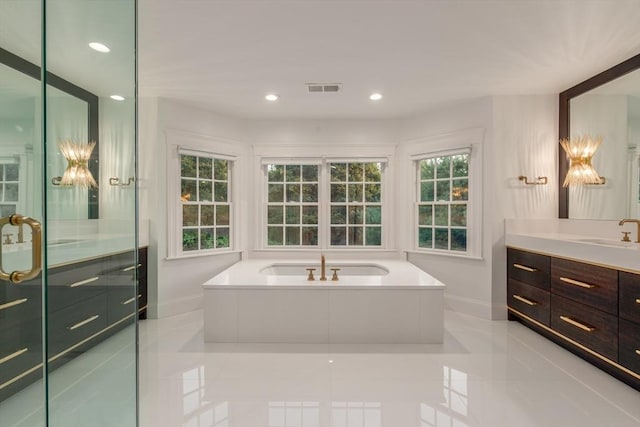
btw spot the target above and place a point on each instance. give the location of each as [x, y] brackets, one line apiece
[607, 242]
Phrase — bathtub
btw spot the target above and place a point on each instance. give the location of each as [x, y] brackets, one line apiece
[267, 301]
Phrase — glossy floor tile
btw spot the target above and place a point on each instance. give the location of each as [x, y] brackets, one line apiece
[488, 374]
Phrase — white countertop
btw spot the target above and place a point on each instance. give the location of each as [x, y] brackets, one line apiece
[246, 274]
[606, 252]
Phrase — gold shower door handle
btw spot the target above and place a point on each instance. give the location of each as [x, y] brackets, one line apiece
[36, 249]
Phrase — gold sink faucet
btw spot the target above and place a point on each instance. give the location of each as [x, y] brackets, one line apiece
[637, 221]
[322, 268]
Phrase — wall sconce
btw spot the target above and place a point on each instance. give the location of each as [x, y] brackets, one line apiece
[77, 173]
[580, 151]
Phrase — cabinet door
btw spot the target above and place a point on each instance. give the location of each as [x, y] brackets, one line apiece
[529, 268]
[630, 345]
[629, 290]
[592, 328]
[588, 284]
[529, 300]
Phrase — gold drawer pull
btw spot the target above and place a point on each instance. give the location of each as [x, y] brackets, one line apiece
[13, 355]
[130, 300]
[577, 283]
[525, 268]
[83, 282]
[133, 267]
[638, 352]
[13, 303]
[524, 300]
[578, 324]
[84, 322]
[637, 300]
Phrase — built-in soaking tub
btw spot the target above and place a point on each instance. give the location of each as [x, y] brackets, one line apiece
[372, 302]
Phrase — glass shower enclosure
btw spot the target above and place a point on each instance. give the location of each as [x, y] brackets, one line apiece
[69, 257]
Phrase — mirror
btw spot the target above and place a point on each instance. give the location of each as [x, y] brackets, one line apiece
[72, 114]
[606, 105]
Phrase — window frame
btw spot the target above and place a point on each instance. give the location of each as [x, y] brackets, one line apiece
[452, 143]
[266, 203]
[306, 155]
[184, 142]
[435, 202]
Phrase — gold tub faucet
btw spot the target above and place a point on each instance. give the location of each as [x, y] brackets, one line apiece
[637, 221]
[323, 275]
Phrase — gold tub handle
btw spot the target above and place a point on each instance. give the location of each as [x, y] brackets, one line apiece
[36, 249]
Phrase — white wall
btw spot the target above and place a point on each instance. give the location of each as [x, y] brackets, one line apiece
[525, 142]
[468, 281]
[177, 281]
[519, 137]
[606, 116]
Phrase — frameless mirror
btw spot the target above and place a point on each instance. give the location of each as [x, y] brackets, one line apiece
[607, 105]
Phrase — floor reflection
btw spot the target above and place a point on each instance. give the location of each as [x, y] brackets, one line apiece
[453, 411]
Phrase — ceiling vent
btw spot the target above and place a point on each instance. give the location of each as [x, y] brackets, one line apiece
[323, 87]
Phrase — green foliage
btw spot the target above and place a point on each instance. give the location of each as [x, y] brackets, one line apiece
[188, 166]
[189, 240]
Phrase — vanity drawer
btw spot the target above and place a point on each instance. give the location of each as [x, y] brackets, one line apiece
[20, 348]
[529, 300]
[73, 324]
[122, 302]
[629, 291]
[629, 350]
[20, 303]
[525, 267]
[589, 284]
[73, 284]
[592, 328]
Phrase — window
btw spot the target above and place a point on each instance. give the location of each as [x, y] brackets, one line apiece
[443, 202]
[206, 204]
[9, 188]
[313, 203]
[356, 204]
[292, 205]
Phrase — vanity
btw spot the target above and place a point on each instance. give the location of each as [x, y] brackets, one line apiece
[88, 300]
[582, 293]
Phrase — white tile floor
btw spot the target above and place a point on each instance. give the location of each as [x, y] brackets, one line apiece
[488, 374]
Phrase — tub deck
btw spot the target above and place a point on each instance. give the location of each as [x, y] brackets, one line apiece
[247, 304]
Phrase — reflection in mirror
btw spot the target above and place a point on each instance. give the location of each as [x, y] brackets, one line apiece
[607, 106]
[72, 113]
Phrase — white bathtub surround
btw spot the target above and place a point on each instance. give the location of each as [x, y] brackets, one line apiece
[393, 302]
[585, 240]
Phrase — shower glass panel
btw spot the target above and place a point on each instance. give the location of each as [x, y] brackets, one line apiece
[90, 139]
[68, 332]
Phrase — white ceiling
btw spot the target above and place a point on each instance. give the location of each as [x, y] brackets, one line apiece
[226, 55]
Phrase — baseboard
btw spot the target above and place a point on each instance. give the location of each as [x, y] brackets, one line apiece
[468, 306]
[176, 306]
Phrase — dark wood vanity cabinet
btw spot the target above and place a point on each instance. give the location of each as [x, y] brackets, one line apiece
[593, 311]
[629, 338]
[86, 302]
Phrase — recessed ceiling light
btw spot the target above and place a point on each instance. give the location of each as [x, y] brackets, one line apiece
[375, 97]
[271, 97]
[99, 47]
[117, 97]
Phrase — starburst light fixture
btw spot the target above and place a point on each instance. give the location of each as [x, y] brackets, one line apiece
[580, 151]
[77, 155]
